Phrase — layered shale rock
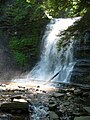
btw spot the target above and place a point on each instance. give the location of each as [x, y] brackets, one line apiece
[81, 71]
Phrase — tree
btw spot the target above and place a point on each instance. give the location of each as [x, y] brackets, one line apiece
[62, 8]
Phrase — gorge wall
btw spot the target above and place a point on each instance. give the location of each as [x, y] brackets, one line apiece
[81, 71]
[8, 67]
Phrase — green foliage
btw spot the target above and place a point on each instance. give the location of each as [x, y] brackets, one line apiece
[20, 58]
[18, 43]
[24, 23]
[16, 11]
[31, 1]
[77, 29]
[20, 10]
[63, 8]
[2, 1]
[23, 49]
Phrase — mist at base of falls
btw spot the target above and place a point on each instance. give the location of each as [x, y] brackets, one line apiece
[53, 61]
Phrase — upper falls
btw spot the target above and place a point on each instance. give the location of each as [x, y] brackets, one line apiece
[53, 61]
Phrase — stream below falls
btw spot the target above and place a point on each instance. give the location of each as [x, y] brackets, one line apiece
[53, 66]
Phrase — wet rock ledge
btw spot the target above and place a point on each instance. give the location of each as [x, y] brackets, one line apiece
[81, 71]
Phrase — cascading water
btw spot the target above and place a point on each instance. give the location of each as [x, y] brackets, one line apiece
[52, 61]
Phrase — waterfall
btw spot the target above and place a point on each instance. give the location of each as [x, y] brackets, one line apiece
[52, 61]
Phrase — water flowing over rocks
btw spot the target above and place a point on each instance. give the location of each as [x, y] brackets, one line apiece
[61, 103]
[53, 62]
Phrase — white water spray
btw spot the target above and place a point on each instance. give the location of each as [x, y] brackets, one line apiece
[52, 61]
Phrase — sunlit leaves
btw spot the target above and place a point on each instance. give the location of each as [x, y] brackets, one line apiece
[31, 1]
[65, 8]
[28, 1]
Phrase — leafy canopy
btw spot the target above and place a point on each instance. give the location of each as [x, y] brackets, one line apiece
[61, 8]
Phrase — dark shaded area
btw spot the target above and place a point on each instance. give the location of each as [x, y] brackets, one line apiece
[8, 67]
[18, 56]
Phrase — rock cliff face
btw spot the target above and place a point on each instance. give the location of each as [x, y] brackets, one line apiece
[8, 68]
[81, 71]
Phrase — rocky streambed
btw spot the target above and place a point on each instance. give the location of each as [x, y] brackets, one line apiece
[20, 101]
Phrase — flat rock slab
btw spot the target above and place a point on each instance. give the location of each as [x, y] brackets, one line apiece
[82, 118]
[57, 95]
[87, 109]
[15, 106]
[53, 116]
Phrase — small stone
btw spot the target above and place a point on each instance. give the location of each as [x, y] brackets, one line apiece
[38, 86]
[52, 106]
[44, 91]
[19, 100]
[82, 118]
[87, 109]
[3, 85]
[66, 103]
[53, 116]
[37, 89]
[77, 92]
[62, 90]
[68, 94]
[79, 113]
[17, 97]
[52, 100]
[58, 95]
[21, 87]
[15, 33]
[85, 94]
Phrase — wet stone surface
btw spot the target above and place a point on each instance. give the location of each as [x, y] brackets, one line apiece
[20, 102]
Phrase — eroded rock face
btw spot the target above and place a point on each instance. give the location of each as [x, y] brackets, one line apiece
[81, 72]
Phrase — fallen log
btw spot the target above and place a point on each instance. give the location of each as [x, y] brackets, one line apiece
[54, 76]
